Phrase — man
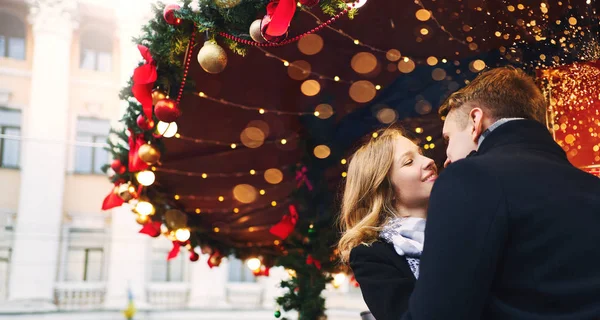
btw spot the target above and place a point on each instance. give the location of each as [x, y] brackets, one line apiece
[513, 229]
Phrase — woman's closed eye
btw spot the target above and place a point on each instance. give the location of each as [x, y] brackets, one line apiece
[408, 162]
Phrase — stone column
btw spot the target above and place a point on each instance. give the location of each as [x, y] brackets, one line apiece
[129, 260]
[34, 263]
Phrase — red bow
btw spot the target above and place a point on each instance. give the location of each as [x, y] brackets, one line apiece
[281, 13]
[175, 251]
[287, 224]
[144, 77]
[301, 178]
[112, 200]
[151, 228]
[135, 142]
[310, 260]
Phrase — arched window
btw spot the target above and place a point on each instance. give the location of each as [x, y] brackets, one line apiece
[12, 37]
[96, 51]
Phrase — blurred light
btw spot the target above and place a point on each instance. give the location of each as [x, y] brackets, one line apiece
[419, 130]
[166, 129]
[322, 151]
[144, 208]
[145, 178]
[344, 161]
[182, 234]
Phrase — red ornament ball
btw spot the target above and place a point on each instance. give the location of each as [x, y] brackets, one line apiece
[194, 256]
[117, 166]
[309, 3]
[169, 14]
[167, 110]
[143, 123]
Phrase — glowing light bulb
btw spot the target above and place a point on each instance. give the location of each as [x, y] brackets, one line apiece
[144, 208]
[253, 264]
[145, 178]
[166, 129]
[182, 234]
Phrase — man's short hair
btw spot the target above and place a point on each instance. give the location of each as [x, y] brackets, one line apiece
[504, 92]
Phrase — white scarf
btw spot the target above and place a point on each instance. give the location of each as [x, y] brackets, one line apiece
[407, 235]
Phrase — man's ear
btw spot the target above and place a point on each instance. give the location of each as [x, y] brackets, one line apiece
[476, 120]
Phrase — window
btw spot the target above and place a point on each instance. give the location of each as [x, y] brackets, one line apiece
[84, 264]
[10, 131]
[12, 37]
[90, 154]
[167, 271]
[96, 52]
[238, 272]
[85, 255]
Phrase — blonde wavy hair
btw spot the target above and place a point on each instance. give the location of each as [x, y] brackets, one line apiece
[367, 202]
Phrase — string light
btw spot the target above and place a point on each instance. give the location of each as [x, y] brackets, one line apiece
[250, 108]
[205, 175]
[236, 144]
[303, 69]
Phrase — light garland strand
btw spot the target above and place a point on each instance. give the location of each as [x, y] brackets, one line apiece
[235, 144]
[291, 65]
[250, 108]
[206, 175]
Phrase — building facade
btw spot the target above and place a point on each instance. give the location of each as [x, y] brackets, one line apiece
[62, 64]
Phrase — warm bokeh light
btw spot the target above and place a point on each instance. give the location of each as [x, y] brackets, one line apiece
[310, 87]
[245, 193]
[273, 176]
[362, 91]
[322, 151]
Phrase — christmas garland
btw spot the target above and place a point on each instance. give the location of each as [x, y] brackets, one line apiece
[166, 44]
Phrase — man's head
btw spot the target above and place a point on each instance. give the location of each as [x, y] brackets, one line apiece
[495, 94]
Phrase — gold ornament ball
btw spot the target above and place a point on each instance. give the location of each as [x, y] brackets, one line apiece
[175, 219]
[255, 33]
[227, 4]
[212, 58]
[157, 95]
[149, 154]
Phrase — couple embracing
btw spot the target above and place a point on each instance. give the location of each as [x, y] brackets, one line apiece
[509, 230]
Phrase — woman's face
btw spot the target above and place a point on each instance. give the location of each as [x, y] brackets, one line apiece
[412, 174]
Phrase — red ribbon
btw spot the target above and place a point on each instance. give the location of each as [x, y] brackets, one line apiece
[302, 178]
[151, 228]
[135, 142]
[310, 260]
[175, 251]
[112, 200]
[287, 224]
[144, 77]
[281, 13]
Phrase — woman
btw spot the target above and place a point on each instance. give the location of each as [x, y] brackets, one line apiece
[383, 219]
